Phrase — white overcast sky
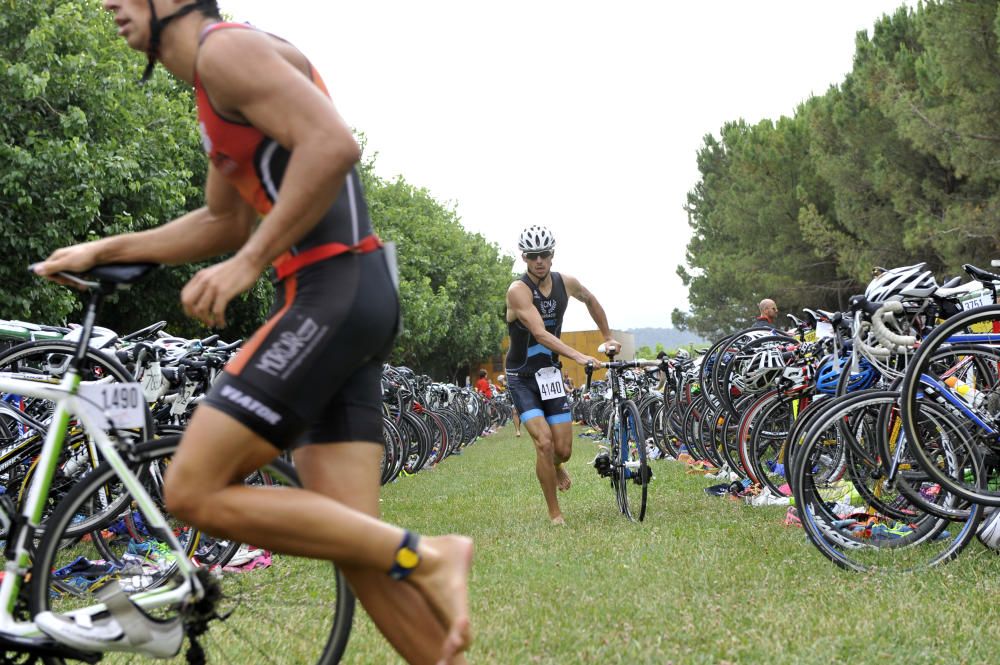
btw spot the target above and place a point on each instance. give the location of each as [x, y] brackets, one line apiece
[584, 116]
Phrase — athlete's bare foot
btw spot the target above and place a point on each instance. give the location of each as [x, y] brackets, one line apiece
[443, 579]
[563, 481]
[557, 520]
[517, 434]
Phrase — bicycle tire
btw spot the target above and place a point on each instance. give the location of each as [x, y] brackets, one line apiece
[693, 417]
[818, 476]
[912, 393]
[35, 357]
[264, 617]
[768, 444]
[632, 468]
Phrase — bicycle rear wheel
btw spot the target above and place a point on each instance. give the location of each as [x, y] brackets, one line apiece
[632, 470]
[281, 608]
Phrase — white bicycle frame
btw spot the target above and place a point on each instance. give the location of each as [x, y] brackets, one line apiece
[68, 403]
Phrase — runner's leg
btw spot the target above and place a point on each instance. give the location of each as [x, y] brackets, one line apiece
[203, 488]
[562, 449]
[349, 473]
[545, 468]
[562, 442]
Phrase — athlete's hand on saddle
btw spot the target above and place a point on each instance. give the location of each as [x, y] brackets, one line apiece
[75, 259]
[205, 297]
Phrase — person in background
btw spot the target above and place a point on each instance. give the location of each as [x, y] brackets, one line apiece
[502, 387]
[768, 314]
[661, 375]
[483, 385]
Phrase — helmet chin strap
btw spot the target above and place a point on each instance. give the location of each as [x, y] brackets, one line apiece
[156, 26]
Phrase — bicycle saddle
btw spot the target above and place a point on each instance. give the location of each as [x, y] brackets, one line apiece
[121, 273]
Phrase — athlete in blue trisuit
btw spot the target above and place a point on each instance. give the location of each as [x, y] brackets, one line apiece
[535, 306]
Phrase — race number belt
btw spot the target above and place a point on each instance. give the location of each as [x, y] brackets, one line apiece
[289, 264]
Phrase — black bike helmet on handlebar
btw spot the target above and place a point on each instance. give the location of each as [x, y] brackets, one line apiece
[156, 25]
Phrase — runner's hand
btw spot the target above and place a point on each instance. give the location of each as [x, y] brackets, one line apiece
[75, 258]
[586, 360]
[205, 297]
[613, 346]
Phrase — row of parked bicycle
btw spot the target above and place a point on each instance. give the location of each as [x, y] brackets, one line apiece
[424, 422]
[882, 422]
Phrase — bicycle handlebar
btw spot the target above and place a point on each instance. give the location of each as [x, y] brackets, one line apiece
[662, 364]
[867, 349]
[893, 341]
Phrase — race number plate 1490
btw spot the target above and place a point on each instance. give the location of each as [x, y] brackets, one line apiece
[123, 404]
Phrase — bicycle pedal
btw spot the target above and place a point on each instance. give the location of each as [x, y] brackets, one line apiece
[602, 462]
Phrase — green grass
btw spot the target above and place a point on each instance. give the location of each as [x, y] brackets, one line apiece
[703, 580]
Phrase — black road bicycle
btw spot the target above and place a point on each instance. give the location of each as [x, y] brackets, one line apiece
[624, 462]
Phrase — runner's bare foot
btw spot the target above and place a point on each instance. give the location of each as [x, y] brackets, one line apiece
[558, 521]
[443, 579]
[563, 481]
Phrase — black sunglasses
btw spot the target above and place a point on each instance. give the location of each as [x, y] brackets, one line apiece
[531, 256]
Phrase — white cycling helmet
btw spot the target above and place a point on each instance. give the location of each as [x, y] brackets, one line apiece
[893, 284]
[989, 530]
[763, 369]
[536, 239]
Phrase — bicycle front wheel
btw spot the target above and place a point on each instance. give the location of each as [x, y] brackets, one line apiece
[632, 471]
[278, 608]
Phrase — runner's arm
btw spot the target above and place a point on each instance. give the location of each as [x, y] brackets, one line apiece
[245, 75]
[578, 291]
[222, 225]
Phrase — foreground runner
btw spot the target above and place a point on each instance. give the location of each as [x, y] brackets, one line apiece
[535, 306]
[311, 374]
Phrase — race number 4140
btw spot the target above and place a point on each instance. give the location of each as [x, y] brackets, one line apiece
[550, 383]
[123, 404]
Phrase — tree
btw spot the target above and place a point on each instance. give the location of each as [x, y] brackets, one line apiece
[898, 164]
[649, 353]
[746, 242]
[452, 282]
[87, 152]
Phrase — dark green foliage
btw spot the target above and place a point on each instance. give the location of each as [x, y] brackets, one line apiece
[86, 152]
[452, 282]
[899, 163]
